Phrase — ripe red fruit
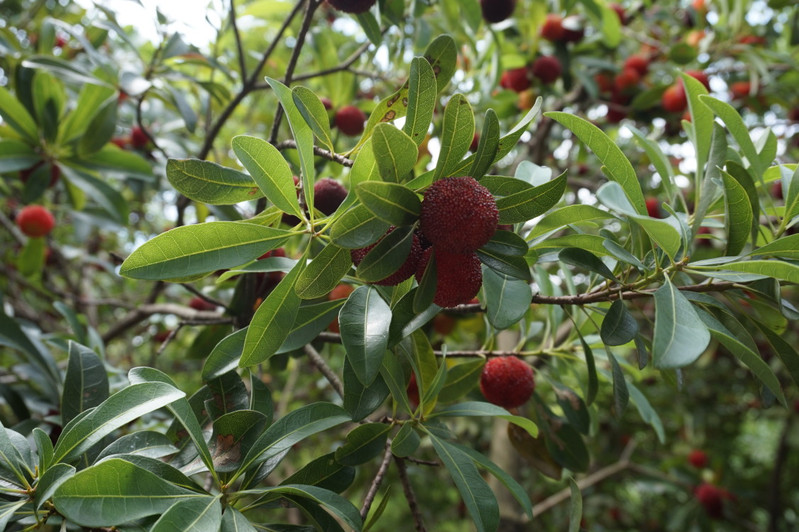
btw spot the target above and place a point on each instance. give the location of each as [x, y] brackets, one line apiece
[639, 63]
[674, 99]
[740, 90]
[573, 30]
[497, 10]
[350, 120]
[711, 499]
[701, 76]
[55, 173]
[507, 381]
[413, 391]
[626, 80]
[138, 138]
[405, 271]
[475, 142]
[458, 215]
[620, 12]
[60, 41]
[552, 29]
[547, 68]
[458, 276]
[653, 207]
[604, 82]
[341, 291]
[352, 6]
[35, 221]
[515, 79]
[776, 190]
[326, 102]
[698, 458]
[198, 303]
[328, 194]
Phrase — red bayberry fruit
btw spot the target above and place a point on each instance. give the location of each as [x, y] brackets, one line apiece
[413, 391]
[701, 76]
[350, 120]
[639, 63]
[326, 102]
[458, 215]
[515, 79]
[138, 138]
[328, 194]
[711, 499]
[475, 142]
[626, 80]
[740, 90]
[674, 99]
[604, 82]
[573, 30]
[352, 6]
[653, 207]
[55, 173]
[552, 28]
[198, 303]
[547, 69]
[35, 221]
[497, 10]
[507, 382]
[620, 12]
[698, 458]
[341, 291]
[458, 276]
[405, 271]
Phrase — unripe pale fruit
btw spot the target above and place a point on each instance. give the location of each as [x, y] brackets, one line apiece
[352, 6]
[458, 276]
[547, 69]
[328, 194]
[674, 99]
[350, 120]
[35, 221]
[552, 29]
[497, 10]
[458, 215]
[515, 79]
[507, 382]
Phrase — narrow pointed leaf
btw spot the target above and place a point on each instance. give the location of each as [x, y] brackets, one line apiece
[357, 228]
[587, 260]
[769, 268]
[619, 326]
[421, 99]
[442, 54]
[191, 515]
[210, 183]
[16, 116]
[488, 146]
[85, 382]
[680, 336]
[532, 202]
[395, 152]
[391, 202]
[363, 443]
[313, 111]
[456, 135]
[364, 321]
[324, 272]
[269, 170]
[738, 214]
[387, 256]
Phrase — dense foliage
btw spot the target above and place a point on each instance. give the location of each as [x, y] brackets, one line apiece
[254, 283]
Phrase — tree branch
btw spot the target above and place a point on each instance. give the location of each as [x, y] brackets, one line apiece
[321, 152]
[409, 495]
[237, 37]
[377, 481]
[188, 314]
[319, 363]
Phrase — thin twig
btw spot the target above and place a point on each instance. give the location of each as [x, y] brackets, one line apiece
[344, 65]
[188, 314]
[237, 37]
[409, 496]
[377, 481]
[324, 369]
[321, 152]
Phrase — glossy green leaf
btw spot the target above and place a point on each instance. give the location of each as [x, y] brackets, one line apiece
[191, 515]
[17, 117]
[310, 321]
[457, 132]
[488, 146]
[77, 121]
[146, 443]
[531, 202]
[583, 259]
[16, 155]
[461, 379]
[387, 256]
[235, 521]
[233, 435]
[507, 299]
[615, 165]
[391, 202]
[648, 414]
[480, 409]
[768, 268]
[394, 151]
[269, 170]
[738, 214]
[388, 110]
[324, 272]
[702, 120]
[210, 183]
[201, 248]
[360, 400]
[50, 481]
[421, 100]
[324, 472]
[101, 128]
[357, 228]
[786, 247]
[85, 382]
[506, 243]
[109, 198]
[571, 214]
[44, 448]
[13, 336]
[224, 357]
[370, 27]
[363, 443]
[91, 497]
[475, 492]
[442, 54]
[313, 111]
[576, 506]
[12, 464]
[621, 395]
[658, 159]
[364, 321]
[338, 505]
[736, 126]
[272, 321]
[619, 326]
[121, 408]
[680, 336]
[9, 510]
[508, 265]
[745, 180]
[787, 353]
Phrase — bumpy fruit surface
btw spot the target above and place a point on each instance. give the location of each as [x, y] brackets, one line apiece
[698, 458]
[497, 10]
[405, 271]
[507, 382]
[352, 6]
[350, 120]
[328, 194]
[458, 215]
[458, 276]
[674, 99]
[515, 79]
[547, 69]
[552, 28]
[35, 221]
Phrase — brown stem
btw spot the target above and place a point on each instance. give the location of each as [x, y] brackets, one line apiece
[409, 495]
[377, 481]
[237, 37]
[324, 369]
[775, 503]
[321, 152]
[191, 316]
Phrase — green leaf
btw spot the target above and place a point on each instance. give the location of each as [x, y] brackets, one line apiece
[564, 216]
[17, 117]
[310, 321]
[145, 443]
[506, 243]
[658, 159]
[388, 110]
[615, 165]
[406, 441]
[621, 395]
[786, 247]
[391, 202]
[210, 183]
[701, 119]
[488, 146]
[736, 126]
[457, 132]
[709, 182]
[313, 111]
[324, 472]
[394, 151]
[576, 510]
[738, 214]
[357, 228]
[360, 400]
[9, 510]
[194, 249]
[769, 268]
[235, 521]
[648, 414]
[680, 336]
[387, 256]
[370, 27]
[480, 409]
[191, 515]
[12, 464]
[442, 54]
[121, 408]
[233, 435]
[364, 321]
[510, 265]
[224, 357]
[13, 336]
[16, 155]
[744, 179]
[785, 351]
[270, 171]
[421, 100]
[272, 321]
[507, 299]
[50, 481]
[581, 258]
[324, 272]
[341, 507]
[363, 443]
[76, 122]
[619, 326]
[101, 128]
[85, 382]
[91, 497]
[531, 202]
[106, 196]
[476, 494]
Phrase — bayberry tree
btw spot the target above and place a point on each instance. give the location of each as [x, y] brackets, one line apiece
[368, 265]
